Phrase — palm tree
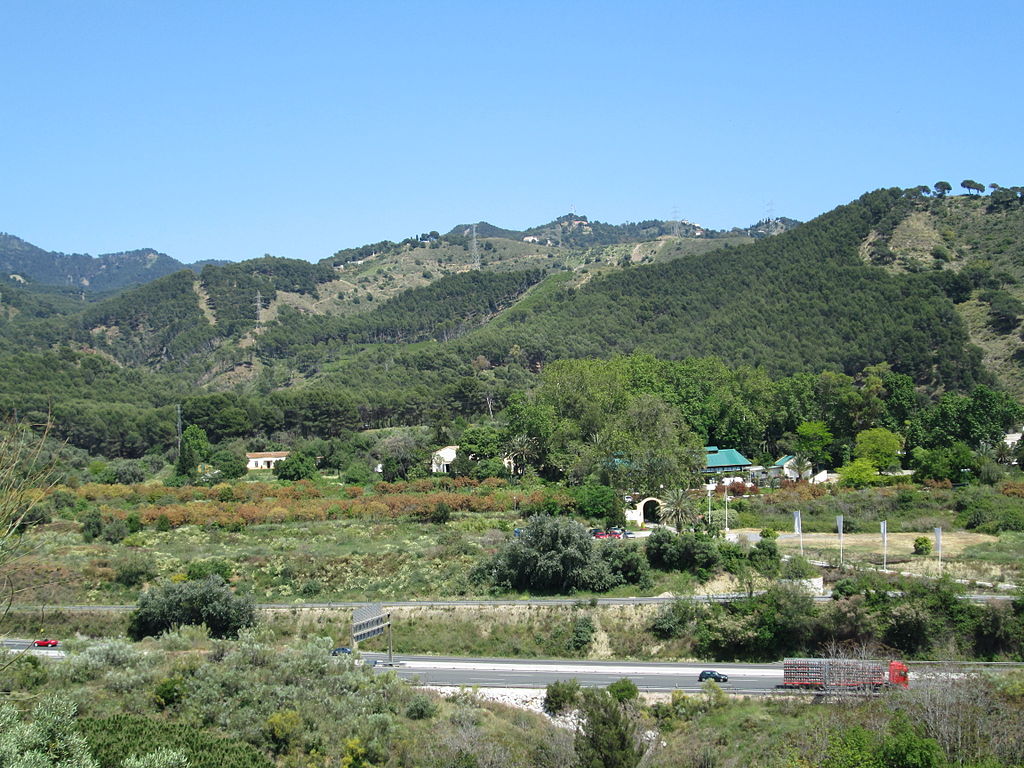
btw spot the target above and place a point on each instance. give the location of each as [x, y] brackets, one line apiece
[520, 449]
[676, 509]
[803, 468]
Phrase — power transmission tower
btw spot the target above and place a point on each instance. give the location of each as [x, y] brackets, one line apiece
[475, 252]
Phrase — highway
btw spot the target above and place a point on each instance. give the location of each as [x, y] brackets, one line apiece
[16, 645]
[538, 673]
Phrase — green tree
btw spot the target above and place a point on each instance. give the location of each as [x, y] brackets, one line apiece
[972, 186]
[229, 464]
[859, 473]
[297, 466]
[553, 555]
[50, 740]
[607, 737]
[813, 439]
[561, 695]
[624, 690]
[195, 449]
[879, 446]
[678, 510]
[943, 188]
[210, 602]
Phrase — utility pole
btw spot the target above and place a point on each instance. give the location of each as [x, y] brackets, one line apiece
[178, 409]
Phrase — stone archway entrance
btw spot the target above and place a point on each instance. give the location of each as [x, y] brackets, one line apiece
[650, 506]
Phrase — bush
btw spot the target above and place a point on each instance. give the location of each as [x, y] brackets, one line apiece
[169, 691]
[624, 690]
[553, 555]
[297, 466]
[134, 570]
[92, 525]
[561, 695]
[421, 707]
[673, 620]
[212, 566]
[797, 567]
[210, 602]
[922, 545]
[114, 530]
[582, 633]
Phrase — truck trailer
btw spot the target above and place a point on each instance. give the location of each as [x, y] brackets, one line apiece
[843, 674]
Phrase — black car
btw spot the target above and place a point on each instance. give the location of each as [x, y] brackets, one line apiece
[710, 674]
[341, 652]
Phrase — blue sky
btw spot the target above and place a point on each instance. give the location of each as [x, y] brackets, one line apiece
[233, 129]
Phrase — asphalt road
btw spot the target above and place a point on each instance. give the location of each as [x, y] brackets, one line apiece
[18, 645]
[538, 673]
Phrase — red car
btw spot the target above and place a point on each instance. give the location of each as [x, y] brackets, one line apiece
[44, 643]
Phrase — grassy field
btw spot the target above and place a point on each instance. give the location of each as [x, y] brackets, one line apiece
[965, 555]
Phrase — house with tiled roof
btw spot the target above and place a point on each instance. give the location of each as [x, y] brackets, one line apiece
[265, 459]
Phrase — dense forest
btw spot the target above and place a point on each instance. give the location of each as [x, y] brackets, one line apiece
[907, 279]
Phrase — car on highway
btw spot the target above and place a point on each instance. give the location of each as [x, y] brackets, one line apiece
[710, 674]
[47, 643]
[343, 651]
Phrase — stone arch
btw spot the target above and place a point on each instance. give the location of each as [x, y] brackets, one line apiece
[650, 507]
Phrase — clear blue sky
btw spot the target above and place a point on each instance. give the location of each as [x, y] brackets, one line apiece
[233, 129]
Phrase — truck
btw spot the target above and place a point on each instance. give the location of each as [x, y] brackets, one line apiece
[843, 674]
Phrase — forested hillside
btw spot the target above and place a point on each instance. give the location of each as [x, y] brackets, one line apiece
[107, 272]
[431, 328]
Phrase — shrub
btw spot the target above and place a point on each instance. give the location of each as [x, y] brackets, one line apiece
[673, 620]
[553, 555]
[210, 602]
[297, 466]
[582, 633]
[92, 525]
[114, 530]
[624, 690]
[421, 707]
[922, 545]
[212, 566]
[797, 567]
[561, 695]
[168, 691]
[134, 570]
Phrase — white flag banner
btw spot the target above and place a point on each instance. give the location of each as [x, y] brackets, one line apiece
[885, 531]
[839, 525]
[938, 542]
[797, 524]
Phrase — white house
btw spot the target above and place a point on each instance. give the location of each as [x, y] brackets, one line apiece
[265, 459]
[442, 458]
[786, 469]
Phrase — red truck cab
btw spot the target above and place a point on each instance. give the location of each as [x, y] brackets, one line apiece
[899, 674]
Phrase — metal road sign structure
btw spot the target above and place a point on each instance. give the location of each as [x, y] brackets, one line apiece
[369, 621]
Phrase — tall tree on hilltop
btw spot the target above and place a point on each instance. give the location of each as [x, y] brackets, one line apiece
[942, 188]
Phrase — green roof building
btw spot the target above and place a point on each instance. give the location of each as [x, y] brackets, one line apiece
[724, 460]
